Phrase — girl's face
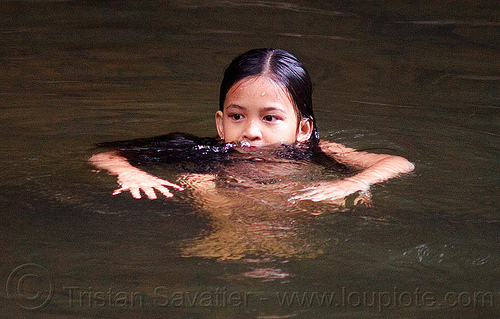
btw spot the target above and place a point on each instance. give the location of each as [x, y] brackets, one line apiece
[259, 112]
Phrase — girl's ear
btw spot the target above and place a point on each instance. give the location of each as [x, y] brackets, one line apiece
[218, 124]
[305, 130]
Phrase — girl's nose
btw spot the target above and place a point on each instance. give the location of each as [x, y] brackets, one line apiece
[252, 132]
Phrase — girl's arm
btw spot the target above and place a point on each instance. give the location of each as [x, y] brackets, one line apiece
[131, 178]
[375, 168]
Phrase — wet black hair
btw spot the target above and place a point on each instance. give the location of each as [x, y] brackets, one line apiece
[284, 69]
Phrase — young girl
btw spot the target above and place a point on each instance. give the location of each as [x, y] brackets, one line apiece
[265, 103]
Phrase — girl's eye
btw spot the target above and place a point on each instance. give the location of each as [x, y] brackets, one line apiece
[236, 116]
[270, 118]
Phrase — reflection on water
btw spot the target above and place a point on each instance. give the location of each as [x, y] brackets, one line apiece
[417, 78]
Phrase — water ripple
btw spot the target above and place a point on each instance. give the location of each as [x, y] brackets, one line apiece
[317, 36]
[270, 4]
[478, 77]
[382, 104]
[451, 22]
[291, 35]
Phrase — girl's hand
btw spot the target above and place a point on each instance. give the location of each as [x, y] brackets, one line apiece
[135, 180]
[331, 190]
[130, 178]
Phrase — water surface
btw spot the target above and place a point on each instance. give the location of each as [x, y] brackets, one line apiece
[412, 78]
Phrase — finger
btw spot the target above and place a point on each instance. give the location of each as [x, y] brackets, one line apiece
[366, 194]
[167, 183]
[150, 193]
[164, 191]
[118, 191]
[135, 192]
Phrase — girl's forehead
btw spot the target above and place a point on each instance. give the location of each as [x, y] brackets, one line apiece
[259, 84]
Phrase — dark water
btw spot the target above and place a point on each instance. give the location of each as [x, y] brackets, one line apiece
[415, 78]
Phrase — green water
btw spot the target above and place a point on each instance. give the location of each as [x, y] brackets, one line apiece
[416, 78]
